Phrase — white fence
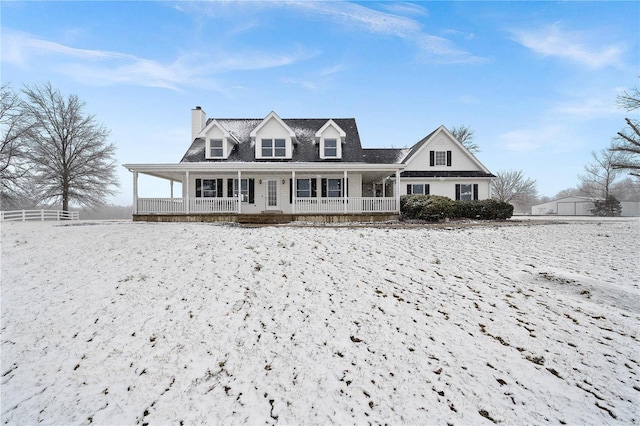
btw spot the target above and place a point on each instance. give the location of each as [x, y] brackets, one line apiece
[42, 215]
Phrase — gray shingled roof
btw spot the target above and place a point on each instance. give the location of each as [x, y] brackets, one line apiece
[306, 150]
[383, 155]
[418, 145]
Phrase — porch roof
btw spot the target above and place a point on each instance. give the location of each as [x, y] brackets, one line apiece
[176, 172]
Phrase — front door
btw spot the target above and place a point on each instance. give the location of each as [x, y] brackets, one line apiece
[272, 194]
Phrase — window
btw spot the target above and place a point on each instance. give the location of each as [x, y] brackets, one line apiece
[466, 192]
[275, 148]
[418, 188]
[330, 148]
[246, 192]
[208, 188]
[440, 158]
[244, 189]
[215, 148]
[334, 188]
[304, 188]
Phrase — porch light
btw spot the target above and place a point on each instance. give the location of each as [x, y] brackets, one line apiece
[283, 181]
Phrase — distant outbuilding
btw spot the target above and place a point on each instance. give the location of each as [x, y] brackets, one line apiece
[580, 206]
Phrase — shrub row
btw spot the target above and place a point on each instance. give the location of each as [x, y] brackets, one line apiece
[435, 207]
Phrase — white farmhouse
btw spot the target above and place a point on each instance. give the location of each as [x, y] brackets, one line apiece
[311, 169]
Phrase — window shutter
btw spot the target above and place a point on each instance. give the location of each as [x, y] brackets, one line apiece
[314, 184]
[345, 187]
[475, 191]
[290, 191]
[198, 188]
[219, 187]
[252, 191]
[457, 192]
[427, 189]
[408, 189]
[449, 158]
[230, 188]
[432, 158]
[324, 188]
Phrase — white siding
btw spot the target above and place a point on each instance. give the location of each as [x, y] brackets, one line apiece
[460, 160]
[447, 188]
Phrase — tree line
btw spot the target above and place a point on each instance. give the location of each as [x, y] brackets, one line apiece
[52, 152]
[612, 174]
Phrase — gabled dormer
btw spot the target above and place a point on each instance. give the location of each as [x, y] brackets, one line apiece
[330, 138]
[273, 139]
[218, 141]
[441, 151]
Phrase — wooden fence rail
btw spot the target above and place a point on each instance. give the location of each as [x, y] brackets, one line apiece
[42, 215]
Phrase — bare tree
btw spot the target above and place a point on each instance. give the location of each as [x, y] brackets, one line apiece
[569, 192]
[70, 158]
[512, 186]
[627, 189]
[464, 135]
[629, 100]
[600, 174]
[14, 126]
[627, 141]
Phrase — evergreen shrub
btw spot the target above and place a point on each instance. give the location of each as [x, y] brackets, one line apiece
[426, 207]
[434, 208]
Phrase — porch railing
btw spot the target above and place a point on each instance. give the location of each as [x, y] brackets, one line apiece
[179, 205]
[352, 205]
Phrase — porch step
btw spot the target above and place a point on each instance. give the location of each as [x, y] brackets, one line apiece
[265, 218]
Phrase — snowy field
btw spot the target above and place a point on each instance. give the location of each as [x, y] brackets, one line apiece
[136, 323]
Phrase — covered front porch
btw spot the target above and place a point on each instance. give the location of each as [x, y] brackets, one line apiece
[300, 189]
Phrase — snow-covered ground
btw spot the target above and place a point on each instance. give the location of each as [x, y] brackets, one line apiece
[134, 323]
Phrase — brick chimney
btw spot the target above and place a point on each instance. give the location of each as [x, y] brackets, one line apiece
[198, 121]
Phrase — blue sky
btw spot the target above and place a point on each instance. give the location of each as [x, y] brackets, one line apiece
[536, 81]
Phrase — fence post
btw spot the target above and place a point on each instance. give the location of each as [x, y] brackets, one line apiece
[24, 215]
[41, 215]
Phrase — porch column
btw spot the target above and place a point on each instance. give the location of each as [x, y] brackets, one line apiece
[239, 197]
[294, 190]
[186, 207]
[344, 192]
[384, 187]
[171, 186]
[397, 189]
[135, 192]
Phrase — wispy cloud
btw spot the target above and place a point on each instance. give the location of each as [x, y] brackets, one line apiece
[549, 137]
[432, 48]
[408, 9]
[576, 46]
[587, 109]
[99, 67]
[395, 21]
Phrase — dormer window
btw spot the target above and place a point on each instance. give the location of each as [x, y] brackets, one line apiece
[216, 148]
[219, 142]
[330, 138]
[274, 148]
[330, 148]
